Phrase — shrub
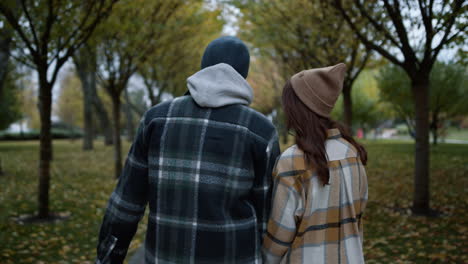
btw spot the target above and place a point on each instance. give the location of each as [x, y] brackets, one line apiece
[57, 133]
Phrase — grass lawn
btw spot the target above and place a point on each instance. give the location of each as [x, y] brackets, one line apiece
[459, 134]
[82, 182]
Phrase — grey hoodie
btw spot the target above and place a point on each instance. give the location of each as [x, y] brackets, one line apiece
[219, 85]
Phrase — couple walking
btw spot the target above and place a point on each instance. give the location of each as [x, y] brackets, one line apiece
[218, 190]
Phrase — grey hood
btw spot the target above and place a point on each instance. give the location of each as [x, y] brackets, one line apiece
[219, 85]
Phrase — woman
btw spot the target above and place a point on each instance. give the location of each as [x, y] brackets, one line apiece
[320, 182]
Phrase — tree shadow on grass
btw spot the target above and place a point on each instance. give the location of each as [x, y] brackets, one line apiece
[35, 219]
[408, 211]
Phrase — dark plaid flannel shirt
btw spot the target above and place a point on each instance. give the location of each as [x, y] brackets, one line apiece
[206, 175]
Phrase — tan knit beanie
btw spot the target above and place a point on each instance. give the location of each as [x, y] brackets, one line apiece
[319, 88]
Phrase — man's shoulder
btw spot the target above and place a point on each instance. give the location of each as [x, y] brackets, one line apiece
[162, 109]
[237, 114]
[159, 110]
[256, 122]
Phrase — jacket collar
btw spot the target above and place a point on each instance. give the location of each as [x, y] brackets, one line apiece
[333, 133]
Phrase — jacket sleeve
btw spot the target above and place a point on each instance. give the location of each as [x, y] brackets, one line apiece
[262, 187]
[364, 197]
[126, 205]
[287, 209]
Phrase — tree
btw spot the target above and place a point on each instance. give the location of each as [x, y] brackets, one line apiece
[410, 34]
[304, 34]
[367, 110]
[103, 116]
[172, 62]
[28, 97]
[8, 100]
[129, 116]
[47, 34]
[69, 107]
[85, 64]
[128, 45]
[137, 100]
[6, 36]
[447, 98]
[10, 106]
[102, 106]
[267, 82]
[85, 60]
[125, 41]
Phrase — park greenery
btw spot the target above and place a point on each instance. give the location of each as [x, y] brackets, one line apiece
[390, 31]
[47, 33]
[83, 181]
[10, 106]
[301, 35]
[447, 101]
[90, 70]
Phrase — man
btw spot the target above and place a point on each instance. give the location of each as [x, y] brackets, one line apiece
[203, 163]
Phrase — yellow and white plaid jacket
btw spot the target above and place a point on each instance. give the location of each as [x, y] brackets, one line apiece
[315, 223]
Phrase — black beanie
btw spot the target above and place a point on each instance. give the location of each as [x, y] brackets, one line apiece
[229, 50]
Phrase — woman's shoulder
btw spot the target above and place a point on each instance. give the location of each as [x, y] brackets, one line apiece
[291, 162]
[293, 150]
[339, 149]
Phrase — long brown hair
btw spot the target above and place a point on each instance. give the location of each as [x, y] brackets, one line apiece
[311, 132]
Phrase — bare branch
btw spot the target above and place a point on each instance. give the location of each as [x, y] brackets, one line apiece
[449, 24]
[86, 34]
[395, 15]
[368, 43]
[14, 22]
[21, 60]
[30, 22]
[135, 108]
[376, 25]
[361, 66]
[80, 27]
[51, 18]
[426, 13]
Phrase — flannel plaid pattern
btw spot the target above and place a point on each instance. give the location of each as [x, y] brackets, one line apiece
[206, 175]
[313, 223]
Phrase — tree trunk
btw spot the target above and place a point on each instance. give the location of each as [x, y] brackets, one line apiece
[434, 128]
[279, 122]
[88, 121]
[420, 88]
[85, 62]
[103, 116]
[45, 156]
[152, 96]
[129, 115]
[1, 167]
[149, 88]
[5, 43]
[117, 141]
[104, 121]
[434, 136]
[347, 108]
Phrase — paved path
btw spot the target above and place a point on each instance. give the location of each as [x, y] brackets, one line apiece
[138, 257]
[409, 139]
[455, 141]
